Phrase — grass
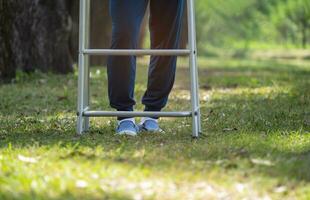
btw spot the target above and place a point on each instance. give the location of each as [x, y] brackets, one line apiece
[256, 143]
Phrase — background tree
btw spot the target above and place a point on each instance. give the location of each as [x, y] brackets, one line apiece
[7, 61]
[298, 11]
[43, 34]
[34, 35]
[100, 34]
[252, 24]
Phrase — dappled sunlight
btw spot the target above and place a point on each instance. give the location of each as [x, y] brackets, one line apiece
[253, 66]
[260, 91]
[180, 95]
[255, 132]
[146, 166]
[117, 177]
[98, 73]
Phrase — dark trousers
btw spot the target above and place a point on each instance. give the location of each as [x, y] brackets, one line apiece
[165, 27]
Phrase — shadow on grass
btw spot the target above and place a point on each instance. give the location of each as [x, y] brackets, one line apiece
[259, 126]
[245, 74]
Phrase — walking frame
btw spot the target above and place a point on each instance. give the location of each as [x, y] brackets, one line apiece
[84, 111]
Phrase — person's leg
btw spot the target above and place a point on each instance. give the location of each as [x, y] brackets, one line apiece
[165, 28]
[127, 16]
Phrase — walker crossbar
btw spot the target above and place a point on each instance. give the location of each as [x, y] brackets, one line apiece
[135, 114]
[84, 112]
[138, 52]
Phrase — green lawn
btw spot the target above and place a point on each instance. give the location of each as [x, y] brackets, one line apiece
[256, 142]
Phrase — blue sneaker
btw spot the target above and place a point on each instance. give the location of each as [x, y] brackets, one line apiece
[150, 125]
[127, 127]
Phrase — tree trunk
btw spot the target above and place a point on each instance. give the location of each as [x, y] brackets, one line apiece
[74, 8]
[7, 62]
[100, 29]
[304, 35]
[35, 35]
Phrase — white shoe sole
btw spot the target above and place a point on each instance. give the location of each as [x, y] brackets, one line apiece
[130, 133]
[142, 129]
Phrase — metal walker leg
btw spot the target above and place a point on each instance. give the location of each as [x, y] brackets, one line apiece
[196, 118]
[84, 111]
[86, 95]
[83, 79]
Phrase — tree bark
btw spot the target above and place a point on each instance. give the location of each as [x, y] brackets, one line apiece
[74, 8]
[100, 26]
[100, 29]
[7, 62]
[304, 35]
[35, 35]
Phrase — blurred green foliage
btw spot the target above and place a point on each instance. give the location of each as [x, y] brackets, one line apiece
[255, 24]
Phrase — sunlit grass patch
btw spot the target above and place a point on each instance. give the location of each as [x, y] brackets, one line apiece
[255, 143]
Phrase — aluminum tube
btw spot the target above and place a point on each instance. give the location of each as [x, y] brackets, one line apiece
[196, 68]
[86, 63]
[138, 52]
[135, 114]
[193, 66]
[81, 77]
